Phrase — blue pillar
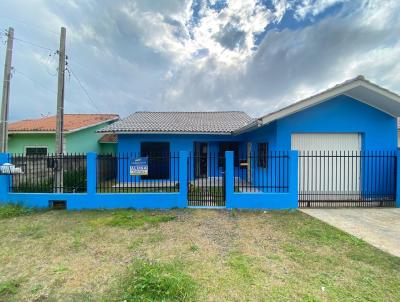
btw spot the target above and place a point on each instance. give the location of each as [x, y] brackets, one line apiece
[398, 180]
[91, 170]
[183, 179]
[4, 180]
[229, 178]
[293, 179]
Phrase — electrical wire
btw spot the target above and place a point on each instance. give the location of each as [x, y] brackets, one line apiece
[84, 89]
[33, 44]
[33, 81]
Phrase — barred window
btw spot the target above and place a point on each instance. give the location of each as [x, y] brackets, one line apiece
[34, 151]
[262, 155]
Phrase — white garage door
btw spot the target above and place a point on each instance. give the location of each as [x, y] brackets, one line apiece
[326, 141]
[329, 165]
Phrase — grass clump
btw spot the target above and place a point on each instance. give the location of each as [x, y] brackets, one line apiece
[32, 231]
[241, 264]
[154, 281]
[60, 269]
[132, 219]
[14, 210]
[8, 289]
[194, 248]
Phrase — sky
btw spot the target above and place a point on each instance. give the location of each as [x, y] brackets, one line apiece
[191, 55]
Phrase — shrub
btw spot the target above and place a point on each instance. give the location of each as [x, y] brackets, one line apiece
[41, 186]
[75, 181]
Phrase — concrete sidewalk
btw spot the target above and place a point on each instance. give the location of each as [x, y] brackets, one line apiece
[379, 227]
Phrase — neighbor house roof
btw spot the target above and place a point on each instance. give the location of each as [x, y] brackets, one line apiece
[358, 88]
[108, 139]
[180, 122]
[72, 123]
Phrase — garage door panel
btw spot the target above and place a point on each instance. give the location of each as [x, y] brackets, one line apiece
[329, 165]
[326, 141]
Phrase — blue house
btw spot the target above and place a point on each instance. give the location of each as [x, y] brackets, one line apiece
[337, 148]
[333, 132]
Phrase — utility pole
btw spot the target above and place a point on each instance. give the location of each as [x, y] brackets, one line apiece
[6, 92]
[60, 114]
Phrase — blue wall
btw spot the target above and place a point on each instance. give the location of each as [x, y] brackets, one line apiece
[94, 200]
[342, 114]
[130, 143]
[263, 200]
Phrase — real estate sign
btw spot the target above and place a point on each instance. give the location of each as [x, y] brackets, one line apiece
[9, 169]
[139, 166]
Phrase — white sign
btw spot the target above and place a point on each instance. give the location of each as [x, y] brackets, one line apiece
[139, 166]
[9, 169]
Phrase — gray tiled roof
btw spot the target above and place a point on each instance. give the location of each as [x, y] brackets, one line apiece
[223, 122]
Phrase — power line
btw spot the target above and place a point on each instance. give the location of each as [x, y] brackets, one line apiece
[5, 34]
[33, 80]
[84, 90]
[33, 44]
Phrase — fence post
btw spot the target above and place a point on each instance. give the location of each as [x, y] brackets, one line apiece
[293, 179]
[183, 178]
[229, 178]
[91, 172]
[398, 179]
[4, 180]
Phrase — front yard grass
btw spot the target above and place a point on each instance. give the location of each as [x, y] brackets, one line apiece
[187, 255]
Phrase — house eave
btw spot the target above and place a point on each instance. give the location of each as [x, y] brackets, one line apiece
[165, 132]
[359, 89]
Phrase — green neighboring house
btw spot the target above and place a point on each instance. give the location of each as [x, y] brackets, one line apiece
[37, 136]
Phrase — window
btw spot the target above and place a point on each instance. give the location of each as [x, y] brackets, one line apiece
[228, 146]
[35, 151]
[158, 154]
[262, 155]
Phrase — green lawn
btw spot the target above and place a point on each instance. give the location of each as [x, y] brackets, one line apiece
[187, 255]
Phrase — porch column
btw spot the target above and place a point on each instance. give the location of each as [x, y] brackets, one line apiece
[4, 180]
[183, 180]
[229, 178]
[91, 172]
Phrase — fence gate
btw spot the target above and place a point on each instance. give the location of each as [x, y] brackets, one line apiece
[347, 179]
[206, 180]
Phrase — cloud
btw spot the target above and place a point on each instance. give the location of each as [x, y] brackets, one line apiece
[198, 55]
[306, 8]
[291, 64]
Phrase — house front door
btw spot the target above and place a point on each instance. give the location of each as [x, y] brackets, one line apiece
[200, 156]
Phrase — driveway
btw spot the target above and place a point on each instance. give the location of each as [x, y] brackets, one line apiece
[379, 227]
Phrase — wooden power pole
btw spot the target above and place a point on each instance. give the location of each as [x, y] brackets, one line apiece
[6, 92]
[60, 113]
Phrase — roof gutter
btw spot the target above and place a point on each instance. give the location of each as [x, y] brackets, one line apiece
[253, 125]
